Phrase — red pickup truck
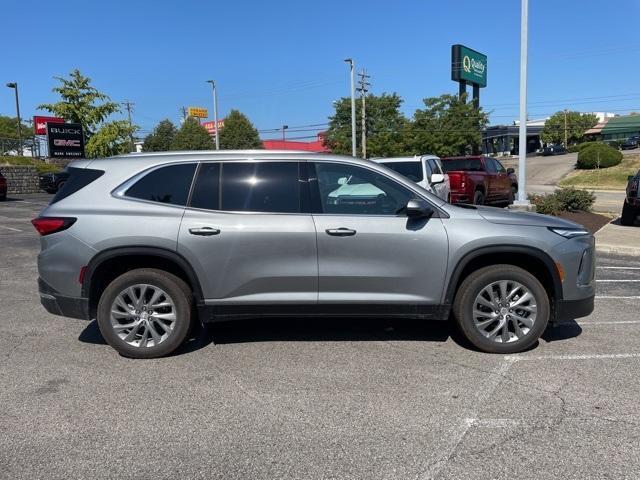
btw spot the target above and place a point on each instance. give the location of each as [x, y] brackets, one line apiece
[480, 180]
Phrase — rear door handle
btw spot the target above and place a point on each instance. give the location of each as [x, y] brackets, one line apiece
[340, 232]
[204, 231]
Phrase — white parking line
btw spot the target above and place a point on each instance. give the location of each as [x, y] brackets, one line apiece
[618, 281]
[617, 296]
[612, 322]
[12, 229]
[619, 268]
[606, 356]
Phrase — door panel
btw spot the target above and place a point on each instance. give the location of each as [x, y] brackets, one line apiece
[386, 257]
[246, 256]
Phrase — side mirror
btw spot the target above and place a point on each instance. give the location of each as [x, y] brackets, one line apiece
[437, 178]
[417, 208]
[510, 171]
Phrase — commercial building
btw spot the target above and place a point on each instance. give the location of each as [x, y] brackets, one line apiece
[315, 146]
[503, 139]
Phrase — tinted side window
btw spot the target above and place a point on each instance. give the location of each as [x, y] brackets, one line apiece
[489, 165]
[168, 184]
[261, 187]
[499, 166]
[435, 166]
[411, 170]
[351, 190]
[206, 190]
[78, 178]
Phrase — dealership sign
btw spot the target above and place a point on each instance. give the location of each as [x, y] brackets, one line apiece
[66, 140]
[198, 112]
[468, 66]
[211, 126]
[40, 123]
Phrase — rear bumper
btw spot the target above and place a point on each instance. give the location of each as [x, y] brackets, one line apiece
[570, 309]
[53, 302]
[460, 198]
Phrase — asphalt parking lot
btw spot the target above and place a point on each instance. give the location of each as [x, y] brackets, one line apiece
[316, 398]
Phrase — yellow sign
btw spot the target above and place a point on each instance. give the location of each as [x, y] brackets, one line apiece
[198, 112]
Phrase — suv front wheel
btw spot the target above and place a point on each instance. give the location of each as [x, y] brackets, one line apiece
[501, 309]
[145, 313]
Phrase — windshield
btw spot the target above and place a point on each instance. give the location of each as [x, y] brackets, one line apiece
[468, 164]
[411, 170]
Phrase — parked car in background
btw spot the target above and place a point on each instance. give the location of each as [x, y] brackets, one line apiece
[554, 149]
[146, 243]
[631, 206]
[425, 170]
[3, 187]
[53, 181]
[631, 143]
[480, 180]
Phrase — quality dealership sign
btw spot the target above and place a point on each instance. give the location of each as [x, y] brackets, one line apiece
[66, 140]
[468, 66]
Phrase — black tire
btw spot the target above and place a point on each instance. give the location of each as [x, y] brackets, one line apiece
[629, 214]
[175, 287]
[478, 198]
[471, 287]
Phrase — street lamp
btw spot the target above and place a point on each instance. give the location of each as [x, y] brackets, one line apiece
[215, 111]
[284, 127]
[14, 85]
[353, 105]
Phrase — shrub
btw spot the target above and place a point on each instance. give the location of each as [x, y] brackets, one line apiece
[598, 156]
[578, 147]
[546, 204]
[573, 199]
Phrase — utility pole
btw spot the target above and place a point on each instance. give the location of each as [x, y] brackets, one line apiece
[352, 67]
[215, 111]
[14, 85]
[129, 106]
[565, 128]
[183, 110]
[522, 148]
[363, 89]
[284, 127]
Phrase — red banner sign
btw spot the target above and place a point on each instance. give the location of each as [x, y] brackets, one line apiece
[211, 127]
[40, 123]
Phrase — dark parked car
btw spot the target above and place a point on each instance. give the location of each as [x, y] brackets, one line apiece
[631, 206]
[3, 187]
[631, 143]
[553, 150]
[52, 182]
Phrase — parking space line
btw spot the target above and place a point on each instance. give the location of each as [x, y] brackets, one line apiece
[612, 322]
[618, 281]
[619, 268]
[12, 229]
[617, 296]
[604, 356]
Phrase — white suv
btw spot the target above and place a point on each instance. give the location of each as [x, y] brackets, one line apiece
[425, 170]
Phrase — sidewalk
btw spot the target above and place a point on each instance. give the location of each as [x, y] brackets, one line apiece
[614, 238]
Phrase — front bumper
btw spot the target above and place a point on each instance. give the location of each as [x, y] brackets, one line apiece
[571, 309]
[53, 302]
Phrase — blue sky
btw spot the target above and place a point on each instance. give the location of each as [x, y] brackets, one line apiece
[282, 62]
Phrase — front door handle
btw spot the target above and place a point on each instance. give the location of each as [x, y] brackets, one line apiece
[340, 232]
[204, 231]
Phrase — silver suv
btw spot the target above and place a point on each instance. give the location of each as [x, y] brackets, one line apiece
[146, 243]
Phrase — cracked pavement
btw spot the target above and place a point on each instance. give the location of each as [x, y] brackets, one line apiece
[321, 398]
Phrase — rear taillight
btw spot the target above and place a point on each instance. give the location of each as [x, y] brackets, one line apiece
[48, 225]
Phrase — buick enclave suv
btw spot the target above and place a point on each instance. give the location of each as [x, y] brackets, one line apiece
[147, 243]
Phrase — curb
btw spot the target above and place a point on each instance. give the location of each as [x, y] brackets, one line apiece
[619, 250]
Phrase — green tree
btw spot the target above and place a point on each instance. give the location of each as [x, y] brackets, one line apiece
[576, 124]
[192, 136]
[386, 126]
[239, 133]
[9, 134]
[448, 125]
[161, 138]
[113, 138]
[81, 102]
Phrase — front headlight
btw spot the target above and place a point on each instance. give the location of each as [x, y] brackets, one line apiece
[569, 232]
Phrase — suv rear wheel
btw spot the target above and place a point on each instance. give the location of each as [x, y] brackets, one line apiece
[145, 313]
[501, 309]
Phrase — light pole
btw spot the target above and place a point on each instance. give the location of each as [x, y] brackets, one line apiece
[14, 85]
[522, 141]
[215, 111]
[284, 127]
[353, 105]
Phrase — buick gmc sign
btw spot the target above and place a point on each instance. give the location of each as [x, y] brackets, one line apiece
[65, 140]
